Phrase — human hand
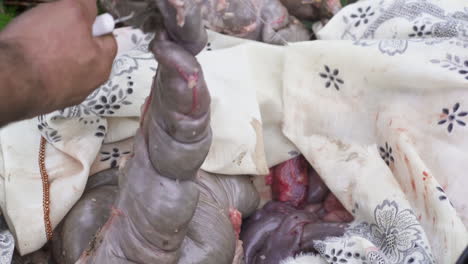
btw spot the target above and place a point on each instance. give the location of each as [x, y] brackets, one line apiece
[59, 57]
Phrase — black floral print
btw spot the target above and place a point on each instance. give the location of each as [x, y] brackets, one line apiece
[89, 121]
[108, 105]
[344, 253]
[113, 98]
[375, 257]
[454, 63]
[113, 156]
[7, 243]
[141, 43]
[464, 71]
[442, 196]
[445, 26]
[320, 247]
[386, 154]
[101, 131]
[452, 118]
[396, 233]
[356, 256]
[336, 256]
[107, 99]
[420, 31]
[331, 77]
[362, 16]
[49, 133]
[130, 85]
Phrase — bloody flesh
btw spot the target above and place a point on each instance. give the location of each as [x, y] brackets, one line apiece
[289, 181]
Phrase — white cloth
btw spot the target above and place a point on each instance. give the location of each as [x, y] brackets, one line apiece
[304, 259]
[395, 91]
[371, 91]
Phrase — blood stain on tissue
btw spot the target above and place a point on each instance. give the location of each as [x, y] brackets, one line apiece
[413, 185]
[236, 220]
[426, 175]
[279, 20]
[289, 181]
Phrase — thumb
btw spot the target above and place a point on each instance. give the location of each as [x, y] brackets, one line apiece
[107, 52]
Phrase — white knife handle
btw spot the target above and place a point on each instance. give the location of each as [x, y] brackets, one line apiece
[104, 24]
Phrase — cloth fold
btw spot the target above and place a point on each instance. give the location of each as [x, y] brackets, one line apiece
[378, 106]
[381, 115]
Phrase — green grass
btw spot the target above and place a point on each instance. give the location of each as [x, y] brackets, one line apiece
[347, 2]
[308, 24]
[6, 14]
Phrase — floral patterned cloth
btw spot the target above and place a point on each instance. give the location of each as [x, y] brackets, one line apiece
[7, 243]
[378, 106]
[381, 115]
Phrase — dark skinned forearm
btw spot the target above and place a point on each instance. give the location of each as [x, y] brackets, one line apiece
[49, 59]
[20, 90]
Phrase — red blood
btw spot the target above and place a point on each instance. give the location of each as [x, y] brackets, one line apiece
[192, 81]
[279, 20]
[236, 219]
[290, 181]
[333, 204]
[413, 185]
